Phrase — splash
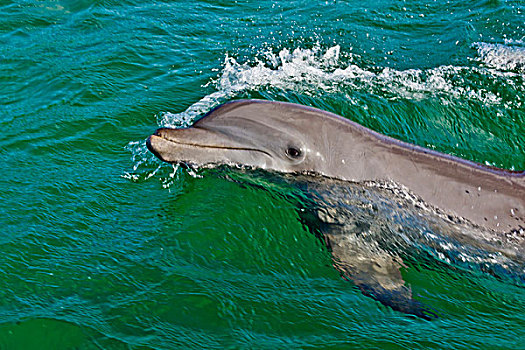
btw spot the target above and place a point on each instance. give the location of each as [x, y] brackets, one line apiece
[508, 57]
[186, 118]
[146, 166]
[314, 72]
[280, 70]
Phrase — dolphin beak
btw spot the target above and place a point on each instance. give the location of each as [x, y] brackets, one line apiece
[149, 143]
[198, 145]
[155, 141]
[164, 141]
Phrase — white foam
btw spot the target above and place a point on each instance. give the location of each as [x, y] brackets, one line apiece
[186, 118]
[508, 57]
[315, 71]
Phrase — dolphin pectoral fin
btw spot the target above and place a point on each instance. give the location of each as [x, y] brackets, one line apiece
[373, 270]
[396, 296]
[376, 273]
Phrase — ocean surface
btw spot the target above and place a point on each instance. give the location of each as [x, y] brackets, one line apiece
[103, 246]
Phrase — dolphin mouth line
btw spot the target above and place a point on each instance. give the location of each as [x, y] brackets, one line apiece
[196, 145]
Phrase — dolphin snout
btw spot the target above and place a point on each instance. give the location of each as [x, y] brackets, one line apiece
[153, 142]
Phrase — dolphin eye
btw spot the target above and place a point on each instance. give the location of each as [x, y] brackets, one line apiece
[293, 152]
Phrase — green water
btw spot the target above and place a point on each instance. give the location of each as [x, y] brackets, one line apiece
[103, 246]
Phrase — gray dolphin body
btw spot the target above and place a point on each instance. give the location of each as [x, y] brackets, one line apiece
[291, 138]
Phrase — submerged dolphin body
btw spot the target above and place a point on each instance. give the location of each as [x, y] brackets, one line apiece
[291, 138]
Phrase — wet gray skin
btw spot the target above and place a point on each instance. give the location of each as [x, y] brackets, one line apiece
[290, 138]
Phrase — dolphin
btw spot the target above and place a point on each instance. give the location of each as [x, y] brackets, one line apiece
[291, 138]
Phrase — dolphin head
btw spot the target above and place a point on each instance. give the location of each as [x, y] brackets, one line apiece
[274, 136]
